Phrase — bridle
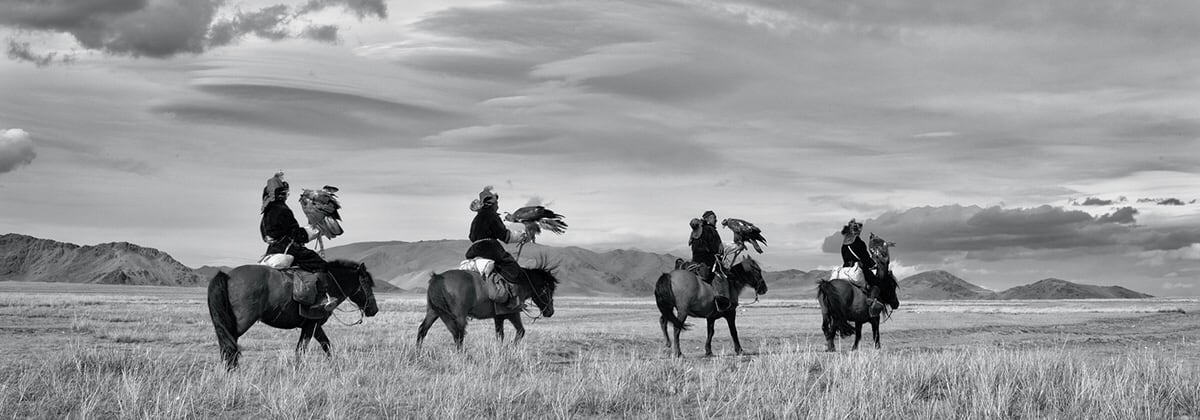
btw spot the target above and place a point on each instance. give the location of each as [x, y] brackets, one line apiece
[536, 295]
[360, 270]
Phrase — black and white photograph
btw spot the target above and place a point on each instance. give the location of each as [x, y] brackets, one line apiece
[600, 209]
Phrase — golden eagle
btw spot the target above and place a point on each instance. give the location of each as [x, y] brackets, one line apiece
[744, 231]
[536, 218]
[321, 207]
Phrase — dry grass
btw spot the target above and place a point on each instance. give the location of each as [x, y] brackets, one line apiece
[103, 355]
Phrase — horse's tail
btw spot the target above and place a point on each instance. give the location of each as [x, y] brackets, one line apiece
[834, 310]
[438, 298]
[664, 296]
[223, 318]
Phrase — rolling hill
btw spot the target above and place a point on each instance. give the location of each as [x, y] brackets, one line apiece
[940, 285]
[1053, 288]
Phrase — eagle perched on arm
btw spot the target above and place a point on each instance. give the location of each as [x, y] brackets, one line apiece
[744, 231]
[536, 218]
[321, 207]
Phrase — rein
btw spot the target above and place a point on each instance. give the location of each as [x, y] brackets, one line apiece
[361, 312]
[536, 296]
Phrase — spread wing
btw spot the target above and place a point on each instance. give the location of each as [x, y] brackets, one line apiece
[744, 231]
[321, 208]
[536, 218]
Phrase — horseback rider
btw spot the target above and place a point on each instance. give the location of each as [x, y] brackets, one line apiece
[489, 234]
[854, 250]
[707, 249]
[284, 235]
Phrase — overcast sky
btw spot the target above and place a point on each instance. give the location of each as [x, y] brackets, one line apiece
[1005, 142]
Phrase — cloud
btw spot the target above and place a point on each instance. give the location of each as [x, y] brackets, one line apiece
[16, 149]
[164, 28]
[21, 51]
[362, 8]
[1092, 201]
[997, 233]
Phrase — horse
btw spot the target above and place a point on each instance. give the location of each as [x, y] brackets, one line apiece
[454, 295]
[682, 292]
[253, 293]
[842, 302]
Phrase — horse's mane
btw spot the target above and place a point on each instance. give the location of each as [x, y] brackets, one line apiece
[753, 269]
[348, 265]
[543, 267]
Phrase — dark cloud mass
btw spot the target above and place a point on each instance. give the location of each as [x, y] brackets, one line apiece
[160, 29]
[996, 233]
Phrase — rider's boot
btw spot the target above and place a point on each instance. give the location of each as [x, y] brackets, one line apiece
[329, 302]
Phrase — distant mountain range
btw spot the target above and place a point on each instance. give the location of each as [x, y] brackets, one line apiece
[408, 265]
[25, 258]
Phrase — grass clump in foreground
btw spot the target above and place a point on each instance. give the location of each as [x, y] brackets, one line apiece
[493, 381]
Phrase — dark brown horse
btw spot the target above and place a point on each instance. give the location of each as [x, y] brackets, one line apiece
[842, 302]
[253, 293]
[455, 295]
[681, 293]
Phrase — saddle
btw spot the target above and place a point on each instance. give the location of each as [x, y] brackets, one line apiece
[692, 266]
[498, 289]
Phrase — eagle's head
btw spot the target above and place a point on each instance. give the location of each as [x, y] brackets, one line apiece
[508, 217]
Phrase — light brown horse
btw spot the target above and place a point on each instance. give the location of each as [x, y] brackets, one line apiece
[253, 293]
[842, 302]
[681, 293]
[455, 295]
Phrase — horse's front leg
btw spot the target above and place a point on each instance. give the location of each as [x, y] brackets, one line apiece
[519, 326]
[731, 320]
[708, 341]
[875, 331]
[306, 334]
[857, 335]
[323, 340]
[499, 319]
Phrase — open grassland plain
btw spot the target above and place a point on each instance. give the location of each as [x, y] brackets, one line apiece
[89, 351]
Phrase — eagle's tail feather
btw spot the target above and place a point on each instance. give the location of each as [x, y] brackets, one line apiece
[554, 225]
[332, 228]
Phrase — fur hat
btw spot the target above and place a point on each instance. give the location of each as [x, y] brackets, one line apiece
[852, 228]
[485, 197]
[275, 187]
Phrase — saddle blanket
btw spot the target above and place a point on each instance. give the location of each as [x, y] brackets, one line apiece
[277, 260]
[482, 266]
[852, 274]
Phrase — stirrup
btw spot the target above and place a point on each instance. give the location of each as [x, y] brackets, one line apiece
[328, 305]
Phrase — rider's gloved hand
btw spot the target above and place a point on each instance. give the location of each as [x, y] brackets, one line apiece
[517, 233]
[313, 233]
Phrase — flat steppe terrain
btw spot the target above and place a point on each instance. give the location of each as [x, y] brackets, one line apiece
[71, 350]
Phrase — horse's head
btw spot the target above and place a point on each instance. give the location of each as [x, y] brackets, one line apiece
[355, 282]
[749, 273]
[543, 283]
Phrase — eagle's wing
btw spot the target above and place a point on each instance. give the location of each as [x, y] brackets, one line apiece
[536, 218]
